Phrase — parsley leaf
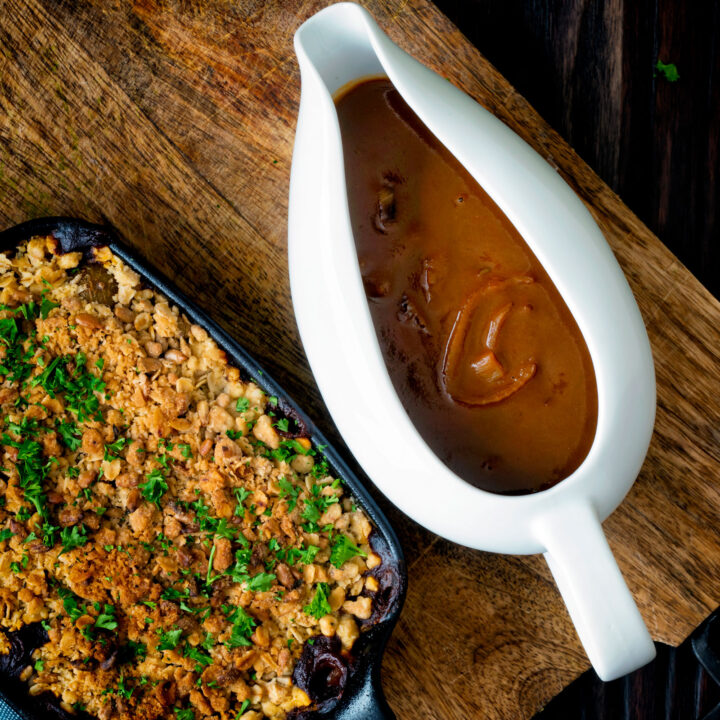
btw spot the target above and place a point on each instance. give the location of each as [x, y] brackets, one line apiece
[71, 604]
[343, 549]
[307, 555]
[70, 433]
[106, 620]
[287, 489]
[112, 450]
[261, 582]
[169, 639]
[72, 537]
[319, 607]
[155, 487]
[195, 653]
[668, 70]
[242, 628]
[46, 306]
[241, 494]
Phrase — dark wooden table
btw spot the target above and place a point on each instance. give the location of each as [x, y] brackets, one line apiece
[588, 66]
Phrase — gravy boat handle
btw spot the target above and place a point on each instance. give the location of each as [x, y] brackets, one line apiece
[602, 609]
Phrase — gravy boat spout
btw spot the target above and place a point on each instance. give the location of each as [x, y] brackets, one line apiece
[337, 46]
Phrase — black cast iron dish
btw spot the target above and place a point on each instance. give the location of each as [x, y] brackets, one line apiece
[342, 686]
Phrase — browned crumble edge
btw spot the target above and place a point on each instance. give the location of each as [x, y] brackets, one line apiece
[178, 543]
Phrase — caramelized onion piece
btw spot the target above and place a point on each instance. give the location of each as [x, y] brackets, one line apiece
[100, 286]
[322, 671]
[492, 382]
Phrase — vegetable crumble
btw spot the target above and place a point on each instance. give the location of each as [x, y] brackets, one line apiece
[176, 538]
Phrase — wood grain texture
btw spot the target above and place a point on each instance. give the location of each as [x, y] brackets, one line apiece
[174, 122]
[588, 66]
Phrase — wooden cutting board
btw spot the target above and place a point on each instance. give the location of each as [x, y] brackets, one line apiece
[173, 121]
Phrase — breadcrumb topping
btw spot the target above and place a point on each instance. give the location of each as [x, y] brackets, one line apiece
[176, 538]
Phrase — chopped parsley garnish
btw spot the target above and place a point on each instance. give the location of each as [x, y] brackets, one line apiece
[170, 639]
[315, 506]
[242, 627]
[667, 70]
[6, 534]
[122, 689]
[155, 486]
[72, 537]
[46, 306]
[343, 549]
[319, 606]
[106, 620]
[71, 604]
[287, 449]
[307, 555]
[241, 494]
[134, 650]
[202, 659]
[186, 714]
[261, 582]
[112, 450]
[288, 490]
[70, 434]
[31, 466]
[173, 594]
[22, 565]
[242, 404]
[223, 530]
[68, 376]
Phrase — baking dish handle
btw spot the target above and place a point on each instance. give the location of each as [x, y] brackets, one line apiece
[605, 615]
[368, 701]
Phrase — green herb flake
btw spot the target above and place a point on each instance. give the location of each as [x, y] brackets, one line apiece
[73, 537]
[69, 433]
[155, 486]
[319, 607]
[169, 640]
[243, 626]
[667, 70]
[343, 550]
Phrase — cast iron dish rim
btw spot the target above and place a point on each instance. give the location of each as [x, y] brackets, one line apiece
[363, 697]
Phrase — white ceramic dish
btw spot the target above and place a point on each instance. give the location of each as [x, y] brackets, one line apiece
[343, 43]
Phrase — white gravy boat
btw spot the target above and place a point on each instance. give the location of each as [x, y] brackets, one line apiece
[342, 43]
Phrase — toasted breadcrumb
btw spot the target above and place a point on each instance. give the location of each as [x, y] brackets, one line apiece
[158, 517]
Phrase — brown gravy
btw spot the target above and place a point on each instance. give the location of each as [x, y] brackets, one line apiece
[481, 348]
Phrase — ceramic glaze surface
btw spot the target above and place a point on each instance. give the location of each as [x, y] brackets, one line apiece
[342, 44]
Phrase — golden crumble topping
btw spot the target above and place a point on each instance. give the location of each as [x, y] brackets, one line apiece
[160, 517]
